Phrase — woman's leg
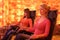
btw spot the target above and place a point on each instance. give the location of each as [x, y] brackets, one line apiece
[7, 35]
[26, 37]
[22, 37]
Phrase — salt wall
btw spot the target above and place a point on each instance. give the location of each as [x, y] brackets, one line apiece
[11, 11]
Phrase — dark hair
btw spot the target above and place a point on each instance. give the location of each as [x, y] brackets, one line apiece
[27, 11]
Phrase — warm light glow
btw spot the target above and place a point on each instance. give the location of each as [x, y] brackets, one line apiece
[0, 16]
[11, 11]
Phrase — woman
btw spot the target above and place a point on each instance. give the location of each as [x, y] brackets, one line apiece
[26, 21]
[41, 27]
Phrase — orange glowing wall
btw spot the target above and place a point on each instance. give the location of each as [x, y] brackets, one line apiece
[11, 11]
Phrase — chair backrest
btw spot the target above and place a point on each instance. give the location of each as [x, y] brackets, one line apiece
[32, 15]
[52, 15]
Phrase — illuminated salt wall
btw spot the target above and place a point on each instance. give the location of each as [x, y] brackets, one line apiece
[11, 11]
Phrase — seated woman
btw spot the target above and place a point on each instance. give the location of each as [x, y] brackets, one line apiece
[26, 21]
[41, 27]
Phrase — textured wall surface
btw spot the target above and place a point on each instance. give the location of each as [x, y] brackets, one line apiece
[12, 10]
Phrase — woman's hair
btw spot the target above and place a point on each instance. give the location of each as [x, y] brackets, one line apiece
[46, 7]
[27, 11]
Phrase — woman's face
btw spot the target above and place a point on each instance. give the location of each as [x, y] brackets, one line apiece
[43, 11]
[26, 14]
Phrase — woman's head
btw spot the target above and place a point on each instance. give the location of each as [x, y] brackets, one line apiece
[44, 9]
[26, 12]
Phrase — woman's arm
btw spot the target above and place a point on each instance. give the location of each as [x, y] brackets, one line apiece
[30, 23]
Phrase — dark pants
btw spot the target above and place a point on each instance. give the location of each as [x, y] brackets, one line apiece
[22, 37]
[8, 35]
[25, 35]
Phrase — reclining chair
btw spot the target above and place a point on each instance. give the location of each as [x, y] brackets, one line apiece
[52, 15]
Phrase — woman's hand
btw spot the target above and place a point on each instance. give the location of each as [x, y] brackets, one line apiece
[34, 37]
